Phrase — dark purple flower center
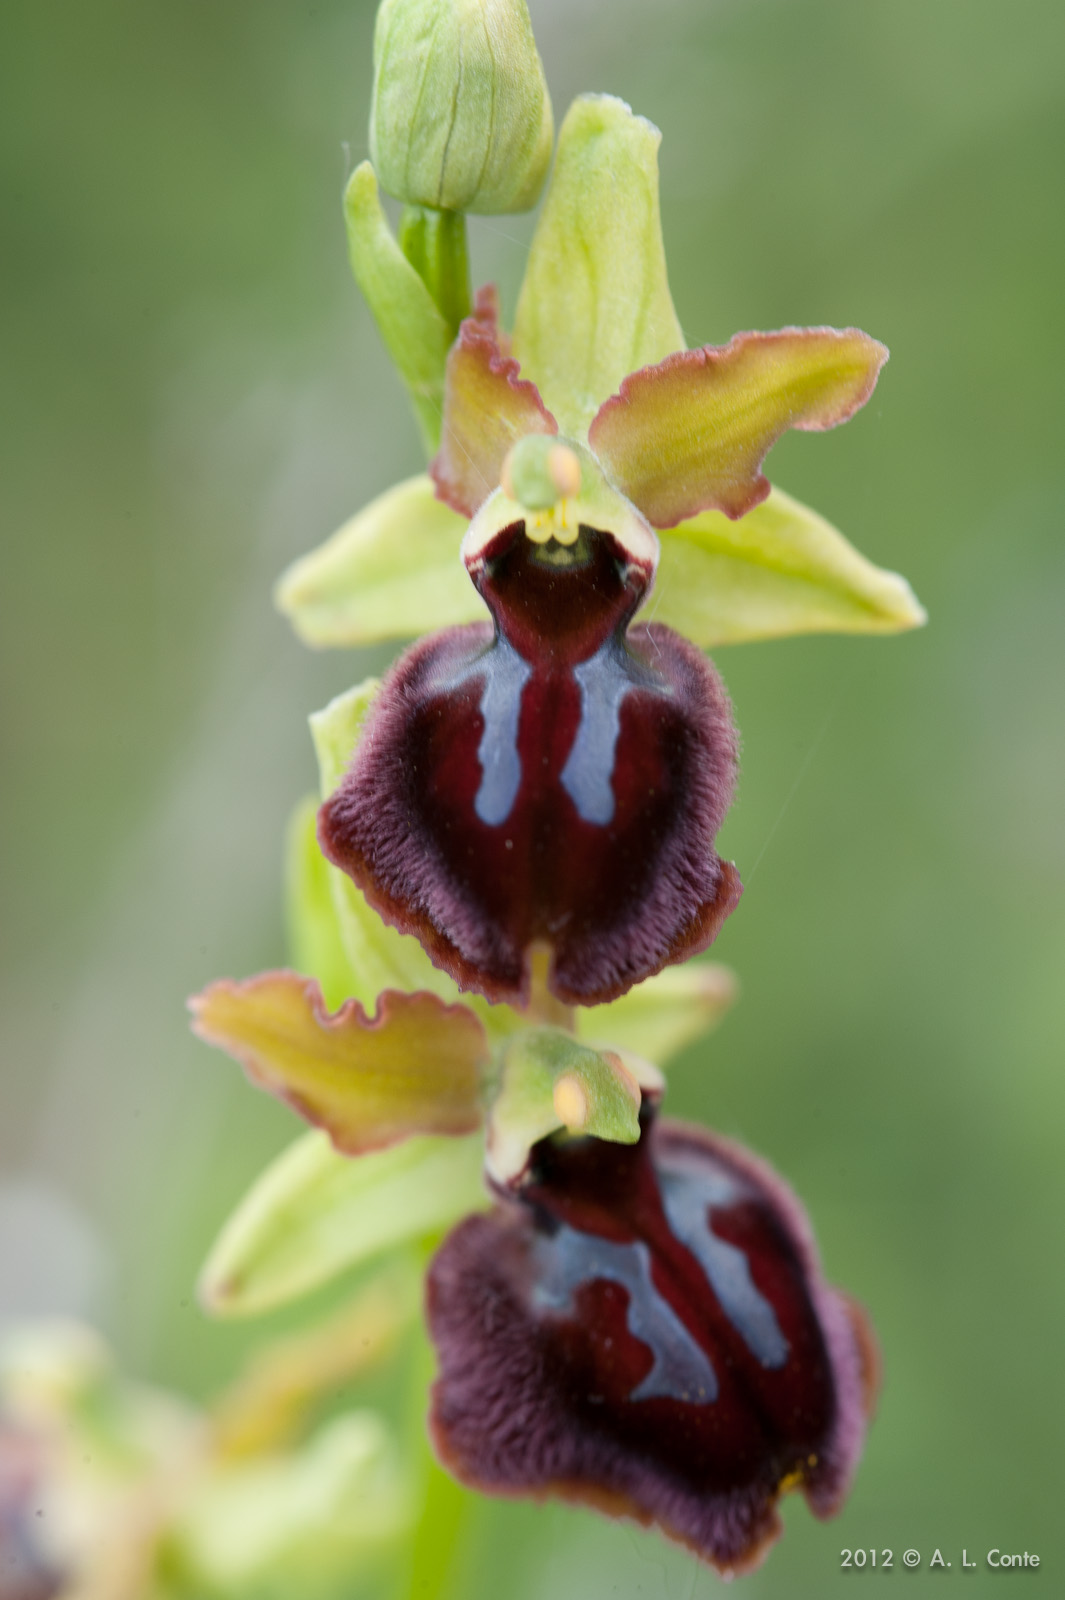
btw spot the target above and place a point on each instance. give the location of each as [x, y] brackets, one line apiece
[648, 1323]
[559, 778]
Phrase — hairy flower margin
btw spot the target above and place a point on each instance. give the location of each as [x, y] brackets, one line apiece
[524, 811]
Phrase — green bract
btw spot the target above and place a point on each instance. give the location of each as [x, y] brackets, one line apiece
[414, 329]
[461, 117]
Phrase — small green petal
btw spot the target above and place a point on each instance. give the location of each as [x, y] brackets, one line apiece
[595, 304]
[415, 1066]
[779, 570]
[659, 1017]
[488, 408]
[392, 572]
[549, 1081]
[690, 433]
[314, 1214]
[415, 333]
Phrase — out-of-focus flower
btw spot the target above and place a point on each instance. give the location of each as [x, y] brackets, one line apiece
[645, 1329]
[110, 1490]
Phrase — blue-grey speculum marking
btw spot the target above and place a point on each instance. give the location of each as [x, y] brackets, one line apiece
[587, 777]
[604, 680]
[500, 709]
[681, 1369]
[686, 1202]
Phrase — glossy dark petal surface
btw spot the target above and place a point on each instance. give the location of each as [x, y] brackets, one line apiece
[558, 778]
[645, 1328]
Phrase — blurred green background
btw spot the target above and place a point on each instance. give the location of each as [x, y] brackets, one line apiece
[192, 394]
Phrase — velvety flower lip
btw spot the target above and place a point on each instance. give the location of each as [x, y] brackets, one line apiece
[645, 1328]
[558, 779]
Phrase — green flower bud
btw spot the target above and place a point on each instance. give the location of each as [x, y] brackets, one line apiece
[461, 116]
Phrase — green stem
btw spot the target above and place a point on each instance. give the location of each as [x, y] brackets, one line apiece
[431, 1565]
[434, 242]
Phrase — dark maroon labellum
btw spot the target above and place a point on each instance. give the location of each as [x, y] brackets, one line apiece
[645, 1328]
[558, 778]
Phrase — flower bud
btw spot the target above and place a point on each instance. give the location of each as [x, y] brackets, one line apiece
[461, 116]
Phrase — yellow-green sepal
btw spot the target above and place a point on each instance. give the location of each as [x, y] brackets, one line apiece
[314, 1214]
[780, 569]
[595, 303]
[661, 1016]
[391, 572]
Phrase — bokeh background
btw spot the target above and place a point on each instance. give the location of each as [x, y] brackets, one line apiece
[193, 394]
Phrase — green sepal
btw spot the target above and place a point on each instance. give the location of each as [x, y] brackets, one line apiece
[412, 326]
[595, 304]
[314, 1214]
[661, 1016]
[549, 1081]
[780, 569]
[392, 572]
